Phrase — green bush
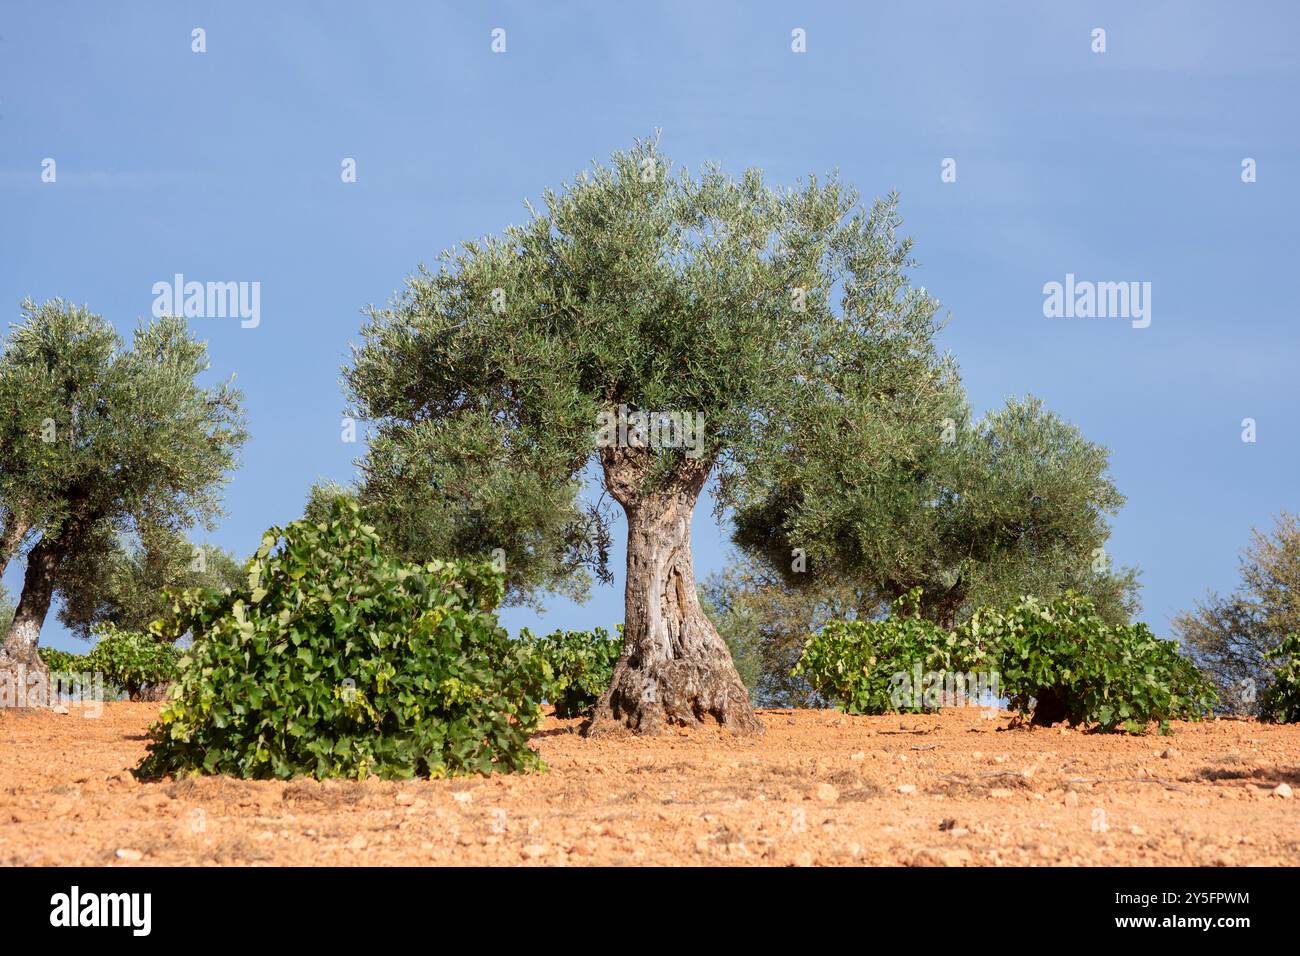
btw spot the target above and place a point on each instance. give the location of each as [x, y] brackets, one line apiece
[1280, 702]
[337, 660]
[63, 662]
[128, 661]
[131, 660]
[877, 667]
[1058, 661]
[1077, 668]
[581, 663]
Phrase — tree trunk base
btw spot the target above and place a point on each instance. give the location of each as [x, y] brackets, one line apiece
[24, 678]
[24, 683]
[646, 700]
[675, 668]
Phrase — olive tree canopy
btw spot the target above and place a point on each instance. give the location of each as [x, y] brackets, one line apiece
[102, 439]
[662, 329]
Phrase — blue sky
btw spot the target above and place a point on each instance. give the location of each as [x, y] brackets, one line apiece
[1115, 166]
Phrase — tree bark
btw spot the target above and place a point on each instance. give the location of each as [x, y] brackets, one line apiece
[15, 529]
[18, 654]
[675, 667]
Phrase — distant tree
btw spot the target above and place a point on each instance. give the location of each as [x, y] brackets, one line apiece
[665, 330]
[766, 621]
[124, 582]
[1229, 636]
[1024, 506]
[1014, 504]
[736, 628]
[113, 439]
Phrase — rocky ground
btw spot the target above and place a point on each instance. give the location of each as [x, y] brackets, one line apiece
[957, 789]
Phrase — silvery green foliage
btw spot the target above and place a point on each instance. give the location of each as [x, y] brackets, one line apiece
[1235, 638]
[100, 437]
[134, 436]
[1011, 504]
[122, 580]
[783, 316]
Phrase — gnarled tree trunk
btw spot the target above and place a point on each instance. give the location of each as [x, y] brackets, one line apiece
[12, 533]
[675, 667]
[20, 665]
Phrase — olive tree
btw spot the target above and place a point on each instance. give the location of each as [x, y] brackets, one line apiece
[124, 580]
[659, 330]
[108, 439]
[1230, 637]
[1015, 503]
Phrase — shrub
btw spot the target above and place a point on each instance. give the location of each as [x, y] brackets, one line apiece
[1060, 661]
[337, 660]
[581, 664]
[874, 667]
[131, 660]
[63, 662]
[1075, 667]
[68, 672]
[1280, 703]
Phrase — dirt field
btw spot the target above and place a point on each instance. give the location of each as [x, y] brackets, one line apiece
[956, 789]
